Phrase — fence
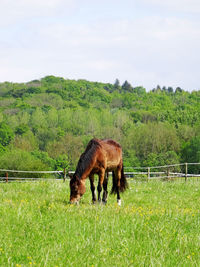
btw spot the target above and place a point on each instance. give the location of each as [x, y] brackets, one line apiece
[7, 177]
[166, 172]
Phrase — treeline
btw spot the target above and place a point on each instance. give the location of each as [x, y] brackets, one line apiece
[46, 124]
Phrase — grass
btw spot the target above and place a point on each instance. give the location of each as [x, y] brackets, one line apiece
[157, 225]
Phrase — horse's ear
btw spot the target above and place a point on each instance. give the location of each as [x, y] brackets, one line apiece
[70, 175]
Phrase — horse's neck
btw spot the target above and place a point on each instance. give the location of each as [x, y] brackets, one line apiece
[86, 161]
[84, 168]
[82, 175]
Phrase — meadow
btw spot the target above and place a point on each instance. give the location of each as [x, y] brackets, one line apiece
[157, 225]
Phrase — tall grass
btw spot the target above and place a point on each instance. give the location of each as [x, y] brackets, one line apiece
[157, 225]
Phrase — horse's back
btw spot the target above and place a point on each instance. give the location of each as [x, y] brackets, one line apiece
[111, 143]
[111, 146]
[112, 152]
[106, 151]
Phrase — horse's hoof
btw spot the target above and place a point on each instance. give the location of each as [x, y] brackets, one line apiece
[119, 202]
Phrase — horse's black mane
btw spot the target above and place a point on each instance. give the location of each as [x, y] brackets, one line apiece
[86, 157]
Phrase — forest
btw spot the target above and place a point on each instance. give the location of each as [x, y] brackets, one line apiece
[45, 124]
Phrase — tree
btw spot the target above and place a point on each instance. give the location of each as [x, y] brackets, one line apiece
[162, 159]
[6, 134]
[191, 153]
[178, 90]
[26, 142]
[126, 86]
[60, 116]
[170, 90]
[38, 118]
[21, 129]
[153, 138]
[68, 145]
[62, 162]
[139, 90]
[116, 85]
[44, 158]
[16, 159]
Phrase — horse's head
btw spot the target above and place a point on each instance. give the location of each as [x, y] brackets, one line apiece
[77, 189]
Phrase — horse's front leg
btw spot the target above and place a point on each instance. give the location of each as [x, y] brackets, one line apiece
[105, 185]
[92, 187]
[99, 188]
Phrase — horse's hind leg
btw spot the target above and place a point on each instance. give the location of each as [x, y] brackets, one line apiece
[118, 198]
[118, 175]
[92, 187]
[105, 185]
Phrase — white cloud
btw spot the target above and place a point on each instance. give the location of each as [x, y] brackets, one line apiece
[145, 50]
[176, 5]
[12, 11]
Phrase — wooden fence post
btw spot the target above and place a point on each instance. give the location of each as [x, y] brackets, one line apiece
[64, 176]
[148, 173]
[6, 177]
[167, 173]
[186, 171]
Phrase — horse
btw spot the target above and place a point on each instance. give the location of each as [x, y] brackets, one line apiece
[100, 157]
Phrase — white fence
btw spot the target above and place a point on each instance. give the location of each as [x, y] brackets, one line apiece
[143, 173]
[163, 172]
[8, 176]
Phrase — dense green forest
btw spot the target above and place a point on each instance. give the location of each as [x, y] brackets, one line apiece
[45, 124]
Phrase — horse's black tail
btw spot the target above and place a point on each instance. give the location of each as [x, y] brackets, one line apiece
[114, 185]
[123, 182]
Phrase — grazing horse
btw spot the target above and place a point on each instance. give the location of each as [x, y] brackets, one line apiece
[100, 157]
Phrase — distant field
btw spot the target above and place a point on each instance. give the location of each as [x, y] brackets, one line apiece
[158, 224]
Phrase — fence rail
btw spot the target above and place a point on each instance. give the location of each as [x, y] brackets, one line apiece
[3, 170]
[130, 172]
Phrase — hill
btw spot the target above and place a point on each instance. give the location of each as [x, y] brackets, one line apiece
[47, 123]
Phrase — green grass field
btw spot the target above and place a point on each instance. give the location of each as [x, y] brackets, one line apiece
[158, 224]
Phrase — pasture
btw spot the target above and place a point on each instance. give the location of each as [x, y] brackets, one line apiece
[157, 225]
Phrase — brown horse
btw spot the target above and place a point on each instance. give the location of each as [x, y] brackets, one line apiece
[100, 157]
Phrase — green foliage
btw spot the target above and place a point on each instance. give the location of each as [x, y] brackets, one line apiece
[44, 158]
[6, 134]
[154, 138]
[62, 162]
[21, 129]
[69, 145]
[126, 86]
[26, 142]
[191, 153]
[59, 116]
[116, 85]
[2, 149]
[166, 158]
[21, 160]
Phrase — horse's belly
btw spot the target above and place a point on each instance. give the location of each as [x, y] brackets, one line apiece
[112, 165]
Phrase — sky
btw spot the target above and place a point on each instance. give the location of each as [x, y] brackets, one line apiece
[146, 42]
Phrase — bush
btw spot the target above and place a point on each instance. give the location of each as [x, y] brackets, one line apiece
[22, 160]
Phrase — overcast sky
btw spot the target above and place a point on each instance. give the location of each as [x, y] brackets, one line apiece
[147, 42]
